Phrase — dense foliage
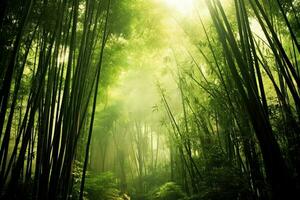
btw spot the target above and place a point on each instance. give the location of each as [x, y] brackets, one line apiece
[150, 99]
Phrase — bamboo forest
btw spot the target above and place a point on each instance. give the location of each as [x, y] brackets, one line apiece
[149, 99]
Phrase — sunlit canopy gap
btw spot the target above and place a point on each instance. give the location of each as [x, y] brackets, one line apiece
[188, 8]
[185, 7]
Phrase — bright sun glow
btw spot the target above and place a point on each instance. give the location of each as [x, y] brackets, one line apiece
[183, 6]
